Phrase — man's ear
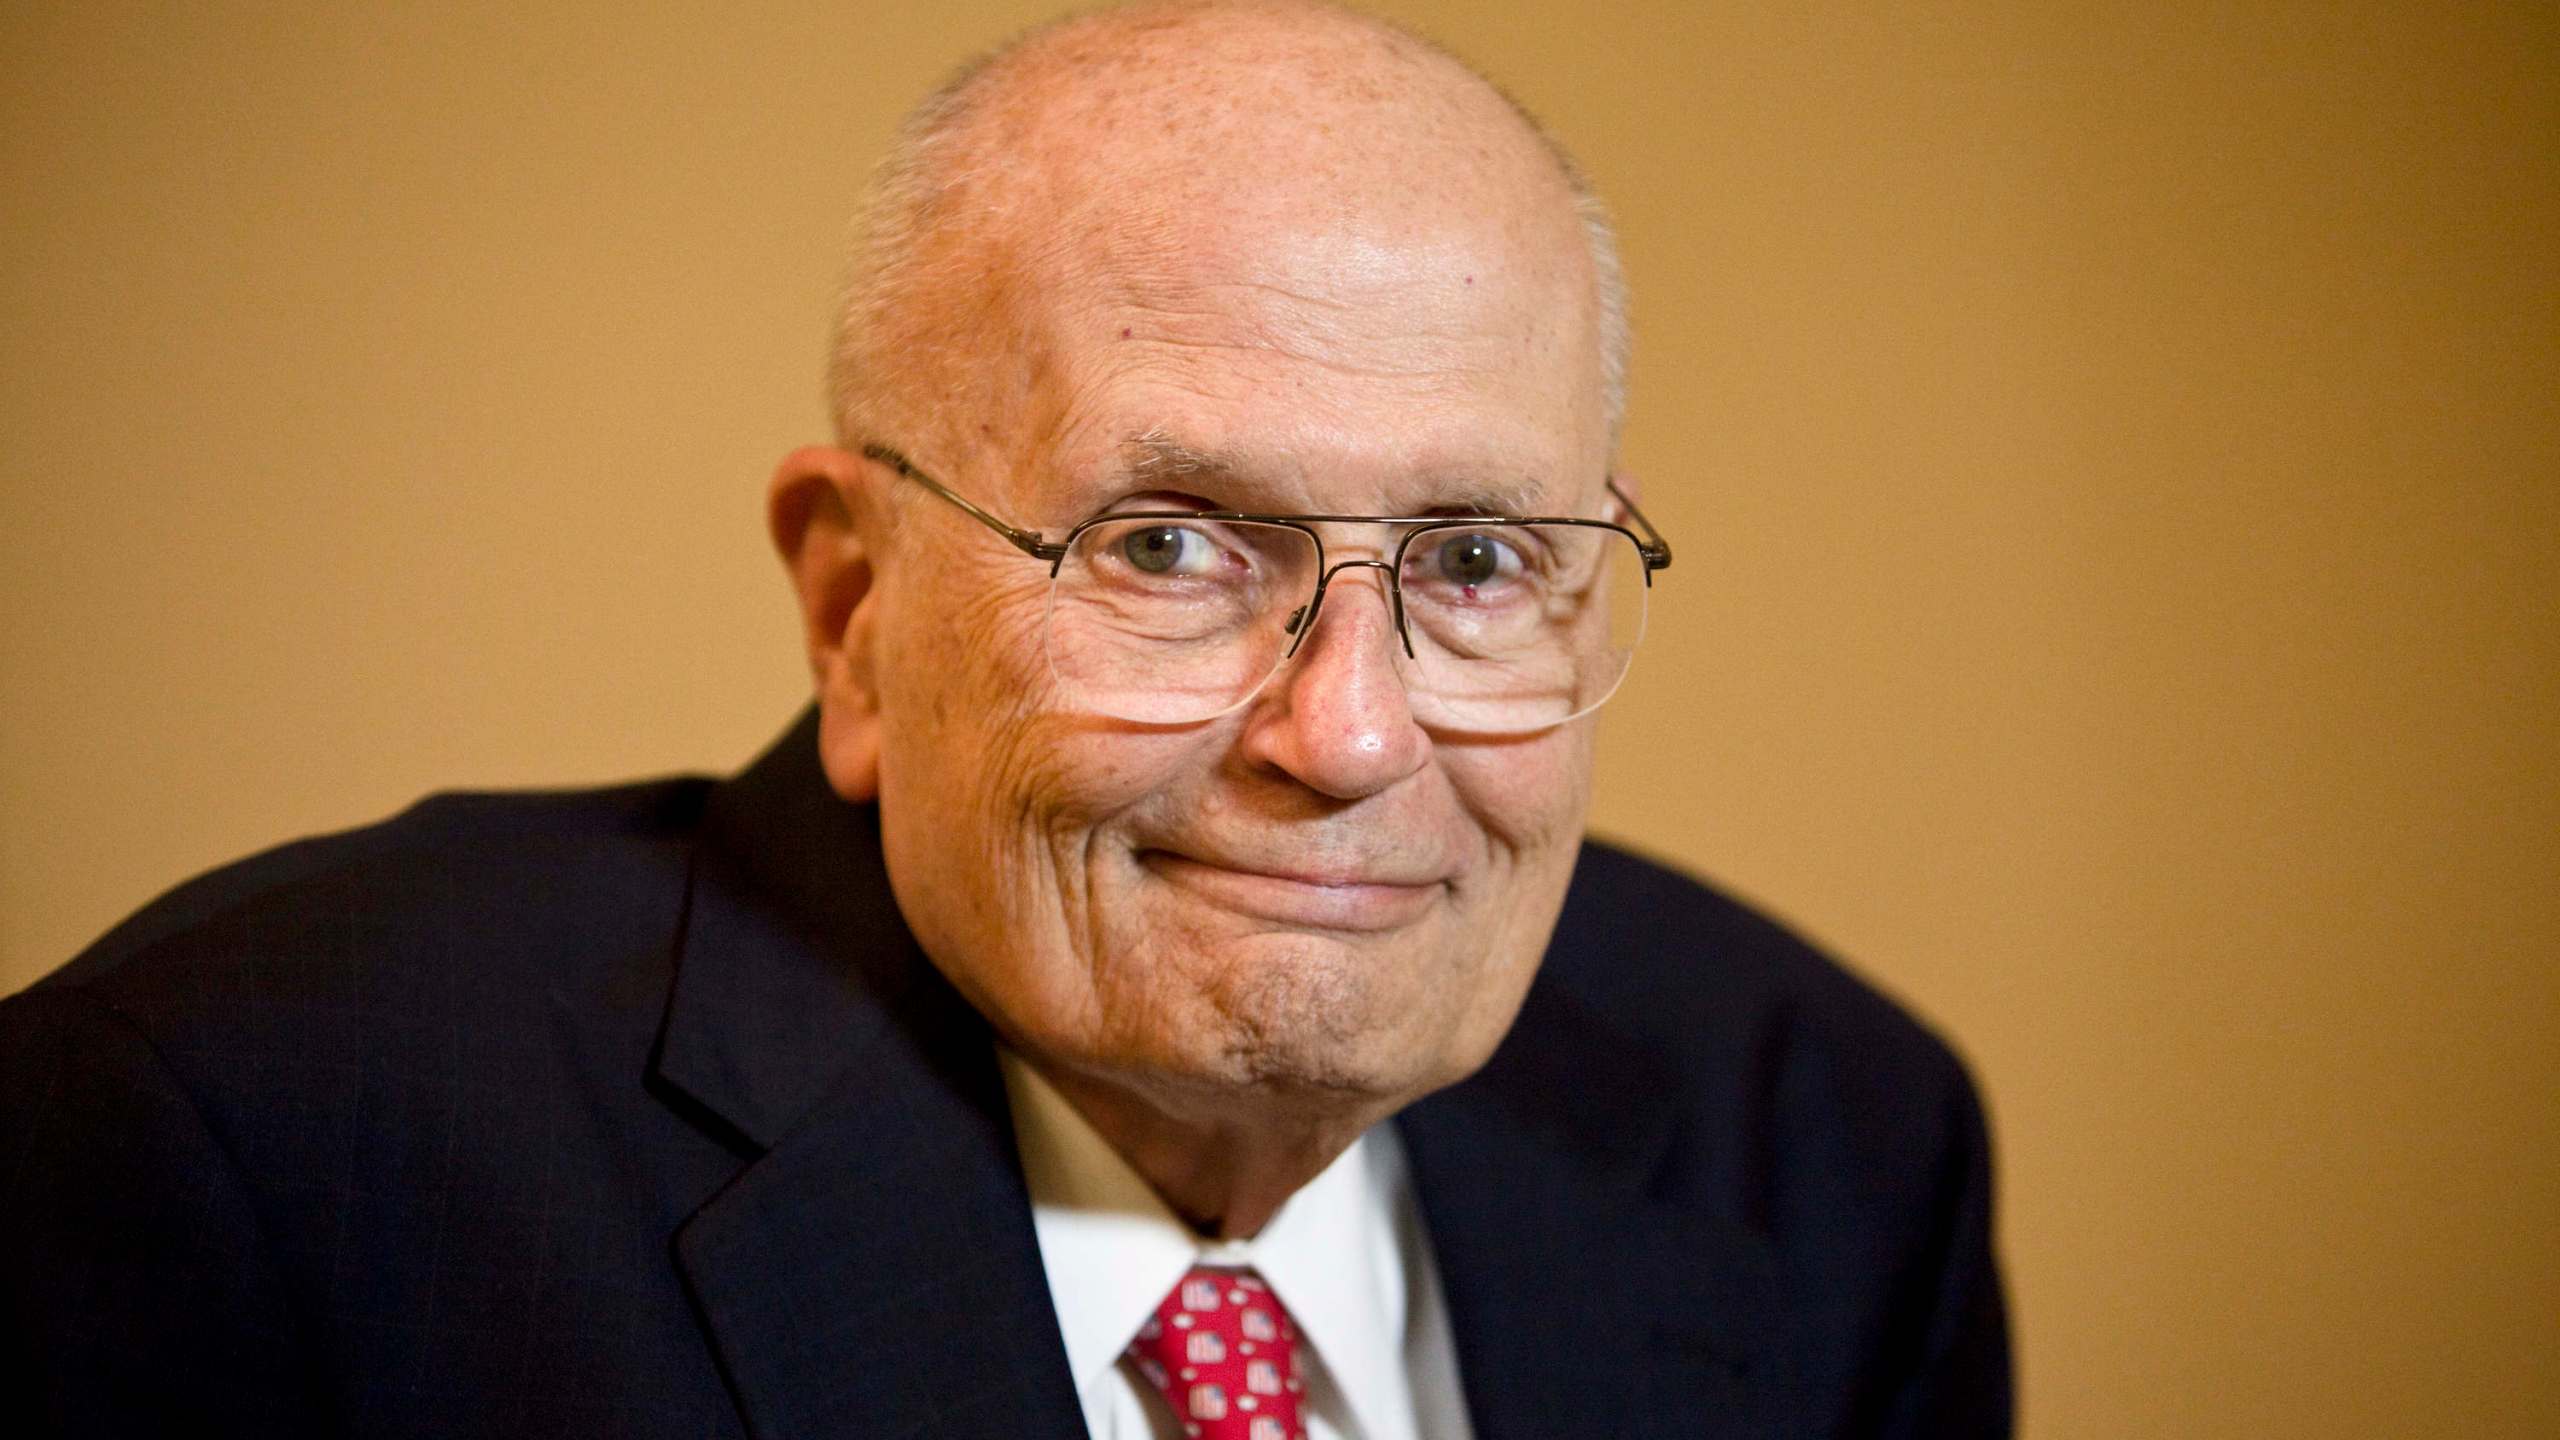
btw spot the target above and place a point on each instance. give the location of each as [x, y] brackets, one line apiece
[825, 523]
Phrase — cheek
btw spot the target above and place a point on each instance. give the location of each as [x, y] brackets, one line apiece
[1062, 777]
[1529, 796]
[959, 663]
[958, 672]
[975, 740]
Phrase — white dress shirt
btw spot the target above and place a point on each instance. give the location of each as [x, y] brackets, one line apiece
[1347, 1255]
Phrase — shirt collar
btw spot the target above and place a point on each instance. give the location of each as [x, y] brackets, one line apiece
[1113, 1249]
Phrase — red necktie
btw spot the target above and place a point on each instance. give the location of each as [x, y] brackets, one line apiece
[1225, 1356]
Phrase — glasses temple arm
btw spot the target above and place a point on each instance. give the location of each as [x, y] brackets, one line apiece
[1656, 551]
[1029, 542]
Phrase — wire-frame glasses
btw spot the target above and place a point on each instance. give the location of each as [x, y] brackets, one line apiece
[1506, 623]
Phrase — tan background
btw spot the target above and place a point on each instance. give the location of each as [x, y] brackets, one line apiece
[2111, 450]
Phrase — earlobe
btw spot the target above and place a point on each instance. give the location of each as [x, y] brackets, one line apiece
[818, 515]
[849, 749]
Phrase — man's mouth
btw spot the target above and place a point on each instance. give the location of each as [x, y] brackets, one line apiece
[1302, 896]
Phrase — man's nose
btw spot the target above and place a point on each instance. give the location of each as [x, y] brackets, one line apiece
[1337, 717]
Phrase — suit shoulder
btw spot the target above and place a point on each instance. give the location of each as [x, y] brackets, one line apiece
[1700, 974]
[1811, 1109]
[456, 876]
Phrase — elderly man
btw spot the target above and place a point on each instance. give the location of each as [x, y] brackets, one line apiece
[1120, 1005]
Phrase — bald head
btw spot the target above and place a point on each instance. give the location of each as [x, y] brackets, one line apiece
[1188, 149]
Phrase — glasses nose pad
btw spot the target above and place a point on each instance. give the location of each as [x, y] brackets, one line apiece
[1300, 622]
[1304, 617]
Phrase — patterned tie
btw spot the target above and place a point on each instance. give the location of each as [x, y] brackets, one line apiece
[1225, 1356]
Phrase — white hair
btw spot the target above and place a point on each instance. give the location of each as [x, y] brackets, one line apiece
[890, 270]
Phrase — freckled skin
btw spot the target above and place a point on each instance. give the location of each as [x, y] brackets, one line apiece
[1077, 878]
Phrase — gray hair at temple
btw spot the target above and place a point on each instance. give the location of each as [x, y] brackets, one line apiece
[889, 269]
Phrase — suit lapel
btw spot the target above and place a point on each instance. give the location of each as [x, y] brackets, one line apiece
[1580, 1304]
[871, 1270]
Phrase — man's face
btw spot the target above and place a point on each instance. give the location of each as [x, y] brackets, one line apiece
[1312, 896]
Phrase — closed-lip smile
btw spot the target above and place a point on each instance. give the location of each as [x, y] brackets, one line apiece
[1301, 897]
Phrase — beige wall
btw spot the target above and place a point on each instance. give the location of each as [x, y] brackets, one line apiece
[2111, 451]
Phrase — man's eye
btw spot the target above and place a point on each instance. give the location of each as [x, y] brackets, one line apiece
[1167, 550]
[1477, 561]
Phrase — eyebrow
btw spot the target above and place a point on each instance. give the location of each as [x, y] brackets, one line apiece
[1156, 455]
[1153, 455]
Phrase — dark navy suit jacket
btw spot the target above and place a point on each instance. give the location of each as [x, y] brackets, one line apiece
[638, 1112]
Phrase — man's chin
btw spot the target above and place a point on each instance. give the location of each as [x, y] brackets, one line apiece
[1316, 1019]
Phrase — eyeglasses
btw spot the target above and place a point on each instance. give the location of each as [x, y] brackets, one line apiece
[1505, 623]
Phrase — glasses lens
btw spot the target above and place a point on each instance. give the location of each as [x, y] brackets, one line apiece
[1519, 627]
[1171, 619]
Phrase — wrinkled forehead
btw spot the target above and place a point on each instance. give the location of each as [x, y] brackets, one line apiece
[1295, 481]
[1340, 261]
[1397, 363]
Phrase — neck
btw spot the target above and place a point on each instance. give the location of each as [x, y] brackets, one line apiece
[1224, 1173]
